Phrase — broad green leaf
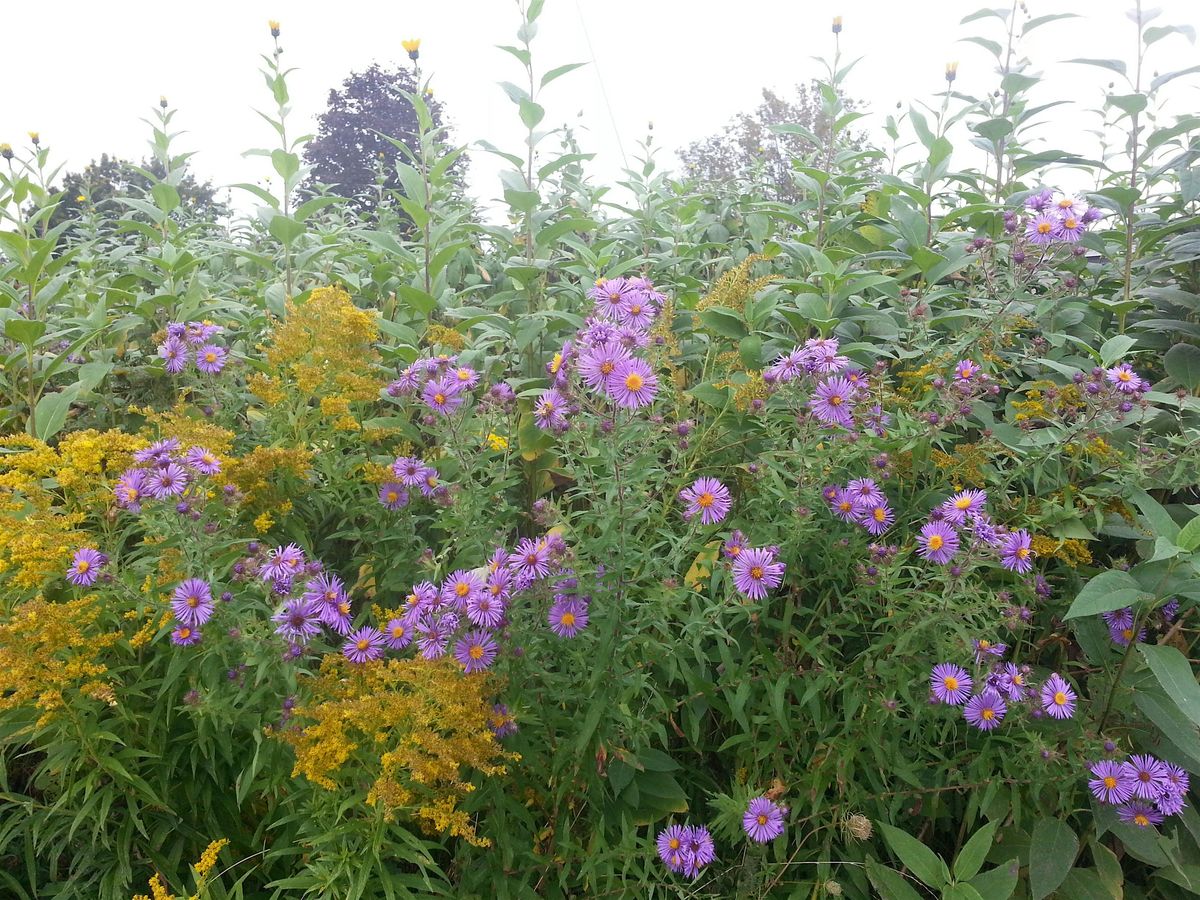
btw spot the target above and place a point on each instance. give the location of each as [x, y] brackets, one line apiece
[165, 196]
[1175, 674]
[961, 891]
[724, 322]
[24, 331]
[285, 229]
[51, 412]
[1182, 363]
[1189, 536]
[918, 858]
[890, 883]
[998, 883]
[1113, 589]
[1114, 348]
[559, 71]
[1052, 849]
[971, 856]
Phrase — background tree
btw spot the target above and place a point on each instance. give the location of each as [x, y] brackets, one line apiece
[97, 187]
[747, 147]
[349, 154]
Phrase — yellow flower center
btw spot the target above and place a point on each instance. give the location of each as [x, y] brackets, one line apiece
[465, 374]
[392, 496]
[962, 503]
[935, 542]
[462, 589]
[762, 820]
[705, 500]
[756, 572]
[735, 550]
[193, 602]
[476, 652]
[1065, 203]
[439, 398]
[1110, 782]
[210, 357]
[880, 514]
[985, 645]
[1022, 552]
[1069, 223]
[988, 714]
[555, 363]
[634, 381]
[845, 506]
[568, 619]
[835, 400]
[82, 566]
[1044, 227]
[1123, 376]
[397, 631]
[635, 310]
[1060, 699]
[1140, 820]
[950, 682]
[674, 844]
[185, 633]
[1127, 633]
[344, 608]
[606, 367]
[363, 644]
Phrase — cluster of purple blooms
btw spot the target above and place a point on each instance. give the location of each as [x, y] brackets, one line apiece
[686, 849]
[756, 570]
[1004, 685]
[835, 398]
[444, 386]
[165, 472]
[411, 472]
[861, 502]
[192, 342]
[602, 354]
[192, 606]
[1120, 623]
[939, 540]
[1144, 789]
[967, 383]
[1053, 218]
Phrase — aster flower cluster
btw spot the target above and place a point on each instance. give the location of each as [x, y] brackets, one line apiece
[412, 472]
[601, 357]
[1004, 685]
[965, 384]
[1144, 789]
[686, 849]
[834, 399]
[167, 472]
[1120, 623]
[192, 606]
[861, 502]
[442, 384]
[1056, 218]
[756, 570]
[192, 342]
[962, 518]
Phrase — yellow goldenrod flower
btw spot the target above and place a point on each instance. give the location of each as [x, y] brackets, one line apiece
[412, 47]
[497, 442]
[837, 24]
[274, 26]
[80, 198]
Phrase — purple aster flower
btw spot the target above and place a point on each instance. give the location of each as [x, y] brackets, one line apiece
[734, 545]
[632, 384]
[865, 493]
[130, 490]
[1016, 553]
[1175, 779]
[670, 844]
[530, 559]
[950, 684]
[938, 542]
[465, 377]
[985, 711]
[85, 567]
[185, 636]
[636, 310]
[443, 396]
[709, 498]
[461, 587]
[984, 531]
[476, 651]
[609, 296]
[1067, 205]
[843, 506]
[283, 563]
[1170, 803]
[700, 850]
[832, 402]
[1124, 378]
[568, 616]
[1118, 618]
[962, 505]
[1058, 698]
[1040, 201]
[501, 721]
[1111, 782]
[210, 359]
[985, 648]
[398, 634]
[821, 357]
[175, 354]
[1014, 682]
[299, 621]
[756, 571]
[192, 602]
[166, 481]
[485, 609]
[549, 413]
[599, 361]
[1123, 635]
[325, 589]
[203, 461]
[1147, 774]
[1170, 610]
[393, 495]
[1071, 228]
[965, 370]
[409, 469]
[877, 519]
[364, 645]
[1143, 815]
[1042, 228]
[763, 820]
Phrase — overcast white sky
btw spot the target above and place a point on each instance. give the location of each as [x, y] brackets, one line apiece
[84, 73]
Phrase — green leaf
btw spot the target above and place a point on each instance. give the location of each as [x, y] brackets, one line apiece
[993, 129]
[51, 412]
[998, 883]
[1175, 674]
[417, 299]
[1042, 20]
[286, 164]
[1113, 589]
[559, 71]
[1083, 884]
[1130, 104]
[531, 113]
[1113, 65]
[711, 395]
[165, 196]
[24, 331]
[724, 322]
[1114, 348]
[961, 891]
[1189, 536]
[1052, 849]
[970, 857]
[285, 229]
[918, 858]
[890, 883]
[1182, 363]
[750, 350]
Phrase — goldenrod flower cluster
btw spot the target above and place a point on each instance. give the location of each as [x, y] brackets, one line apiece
[323, 350]
[735, 286]
[439, 334]
[412, 724]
